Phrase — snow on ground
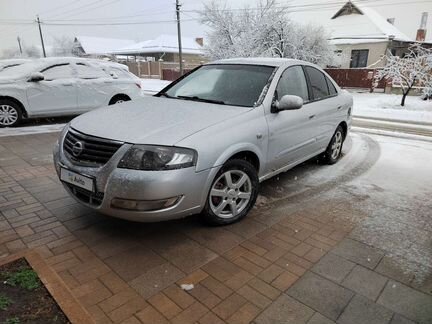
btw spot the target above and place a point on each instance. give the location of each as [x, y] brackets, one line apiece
[152, 86]
[27, 130]
[381, 105]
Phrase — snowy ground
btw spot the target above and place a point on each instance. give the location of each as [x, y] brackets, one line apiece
[387, 106]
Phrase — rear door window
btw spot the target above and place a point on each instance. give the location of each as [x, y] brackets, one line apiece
[332, 88]
[90, 72]
[318, 83]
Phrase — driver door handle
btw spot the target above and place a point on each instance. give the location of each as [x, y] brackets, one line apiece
[311, 116]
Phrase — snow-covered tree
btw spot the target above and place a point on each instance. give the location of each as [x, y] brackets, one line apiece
[28, 51]
[63, 46]
[414, 68]
[263, 31]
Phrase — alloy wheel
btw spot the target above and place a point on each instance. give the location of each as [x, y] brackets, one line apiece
[230, 194]
[8, 115]
[337, 145]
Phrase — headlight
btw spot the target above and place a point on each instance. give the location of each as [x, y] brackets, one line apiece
[148, 157]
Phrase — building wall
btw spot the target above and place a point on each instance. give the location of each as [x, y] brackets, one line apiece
[376, 51]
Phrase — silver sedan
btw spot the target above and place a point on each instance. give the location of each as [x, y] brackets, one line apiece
[205, 142]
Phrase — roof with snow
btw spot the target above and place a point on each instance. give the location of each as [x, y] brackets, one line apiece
[356, 24]
[161, 44]
[100, 45]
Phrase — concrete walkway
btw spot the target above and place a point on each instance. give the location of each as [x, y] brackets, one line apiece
[295, 259]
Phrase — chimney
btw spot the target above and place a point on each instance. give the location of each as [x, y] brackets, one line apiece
[391, 20]
[421, 32]
[200, 41]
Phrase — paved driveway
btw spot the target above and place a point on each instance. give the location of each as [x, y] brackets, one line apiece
[349, 243]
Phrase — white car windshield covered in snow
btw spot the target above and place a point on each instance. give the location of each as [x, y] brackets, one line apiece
[19, 70]
[229, 84]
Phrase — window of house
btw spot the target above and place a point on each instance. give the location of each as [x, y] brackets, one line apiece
[317, 82]
[359, 58]
[59, 71]
[293, 82]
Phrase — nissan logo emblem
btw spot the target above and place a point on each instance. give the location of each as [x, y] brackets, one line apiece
[77, 149]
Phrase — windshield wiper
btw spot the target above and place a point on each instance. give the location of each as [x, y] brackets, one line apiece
[196, 98]
[166, 95]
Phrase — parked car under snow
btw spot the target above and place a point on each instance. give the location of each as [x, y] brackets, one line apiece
[62, 86]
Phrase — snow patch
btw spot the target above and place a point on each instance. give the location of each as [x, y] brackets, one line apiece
[381, 105]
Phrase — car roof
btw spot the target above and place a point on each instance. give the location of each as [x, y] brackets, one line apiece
[270, 61]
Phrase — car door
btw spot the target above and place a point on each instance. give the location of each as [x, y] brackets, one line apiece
[323, 106]
[56, 94]
[291, 132]
[95, 86]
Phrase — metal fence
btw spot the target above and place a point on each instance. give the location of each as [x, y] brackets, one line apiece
[355, 78]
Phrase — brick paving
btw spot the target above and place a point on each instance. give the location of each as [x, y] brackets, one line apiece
[279, 265]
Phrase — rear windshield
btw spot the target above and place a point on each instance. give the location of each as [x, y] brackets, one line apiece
[230, 84]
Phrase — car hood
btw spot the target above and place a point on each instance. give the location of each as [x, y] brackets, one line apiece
[153, 120]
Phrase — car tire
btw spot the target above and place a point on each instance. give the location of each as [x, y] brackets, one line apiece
[118, 99]
[10, 113]
[229, 201]
[334, 149]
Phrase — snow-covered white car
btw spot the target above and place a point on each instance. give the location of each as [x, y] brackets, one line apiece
[63, 86]
[4, 64]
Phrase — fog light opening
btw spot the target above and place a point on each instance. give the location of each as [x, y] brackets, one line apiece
[144, 205]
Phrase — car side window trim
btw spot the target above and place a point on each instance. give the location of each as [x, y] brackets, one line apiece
[306, 79]
[53, 66]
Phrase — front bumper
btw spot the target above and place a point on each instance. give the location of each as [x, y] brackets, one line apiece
[112, 182]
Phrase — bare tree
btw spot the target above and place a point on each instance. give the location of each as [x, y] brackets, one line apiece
[414, 68]
[263, 31]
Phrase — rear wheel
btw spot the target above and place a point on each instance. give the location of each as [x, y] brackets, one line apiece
[232, 194]
[119, 99]
[10, 113]
[334, 149]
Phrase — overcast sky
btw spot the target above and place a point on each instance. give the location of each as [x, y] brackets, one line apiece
[406, 12]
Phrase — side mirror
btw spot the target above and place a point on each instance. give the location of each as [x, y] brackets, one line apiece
[36, 77]
[114, 75]
[288, 102]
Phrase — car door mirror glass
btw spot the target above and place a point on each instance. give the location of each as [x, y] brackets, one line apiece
[36, 77]
[289, 102]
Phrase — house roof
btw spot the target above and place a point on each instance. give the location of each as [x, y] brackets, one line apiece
[161, 44]
[100, 45]
[354, 24]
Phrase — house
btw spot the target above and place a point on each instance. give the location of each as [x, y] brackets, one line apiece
[362, 37]
[98, 46]
[165, 47]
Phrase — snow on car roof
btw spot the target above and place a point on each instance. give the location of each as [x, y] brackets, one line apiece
[33, 65]
[364, 27]
[271, 61]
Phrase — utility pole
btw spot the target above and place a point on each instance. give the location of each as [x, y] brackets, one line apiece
[19, 44]
[179, 37]
[41, 37]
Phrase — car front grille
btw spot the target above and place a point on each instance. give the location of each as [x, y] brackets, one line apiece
[89, 150]
[92, 198]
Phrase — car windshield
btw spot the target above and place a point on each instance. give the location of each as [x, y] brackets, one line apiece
[229, 84]
[18, 70]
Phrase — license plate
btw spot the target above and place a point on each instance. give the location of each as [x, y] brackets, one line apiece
[76, 179]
